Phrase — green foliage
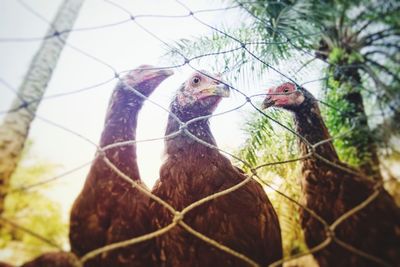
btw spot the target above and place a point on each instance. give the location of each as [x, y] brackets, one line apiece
[336, 55]
[274, 20]
[33, 210]
[340, 119]
[265, 139]
[355, 58]
[348, 29]
[288, 213]
[224, 47]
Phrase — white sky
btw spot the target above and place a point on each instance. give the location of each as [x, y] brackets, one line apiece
[124, 47]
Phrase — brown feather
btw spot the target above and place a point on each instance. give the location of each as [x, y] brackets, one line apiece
[243, 220]
[331, 192]
[108, 209]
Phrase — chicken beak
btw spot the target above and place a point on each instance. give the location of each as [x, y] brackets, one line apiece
[268, 102]
[220, 89]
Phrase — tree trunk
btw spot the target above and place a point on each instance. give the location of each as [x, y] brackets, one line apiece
[15, 126]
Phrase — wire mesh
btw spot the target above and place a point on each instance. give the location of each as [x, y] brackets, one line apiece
[178, 215]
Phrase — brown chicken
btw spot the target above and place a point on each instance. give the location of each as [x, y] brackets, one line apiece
[243, 220]
[109, 209]
[331, 191]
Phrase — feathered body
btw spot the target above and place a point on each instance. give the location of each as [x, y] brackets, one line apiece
[109, 209]
[54, 259]
[331, 192]
[243, 220]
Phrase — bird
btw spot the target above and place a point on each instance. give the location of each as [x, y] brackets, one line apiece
[109, 209]
[54, 259]
[331, 190]
[243, 220]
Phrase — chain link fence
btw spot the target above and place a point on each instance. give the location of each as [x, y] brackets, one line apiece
[179, 215]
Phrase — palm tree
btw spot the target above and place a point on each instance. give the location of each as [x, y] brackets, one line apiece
[15, 126]
[357, 64]
[356, 40]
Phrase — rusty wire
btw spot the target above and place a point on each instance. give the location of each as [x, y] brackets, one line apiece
[178, 216]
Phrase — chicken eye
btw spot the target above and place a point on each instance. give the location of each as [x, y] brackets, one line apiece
[196, 80]
[286, 90]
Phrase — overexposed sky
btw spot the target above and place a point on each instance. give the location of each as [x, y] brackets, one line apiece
[124, 46]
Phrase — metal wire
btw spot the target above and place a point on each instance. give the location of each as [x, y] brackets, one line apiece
[186, 61]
